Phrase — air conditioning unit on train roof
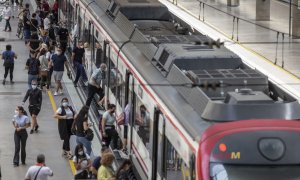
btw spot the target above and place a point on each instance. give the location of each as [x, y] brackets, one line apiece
[195, 57]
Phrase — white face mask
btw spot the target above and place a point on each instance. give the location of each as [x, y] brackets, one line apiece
[33, 86]
[65, 104]
[80, 153]
[16, 112]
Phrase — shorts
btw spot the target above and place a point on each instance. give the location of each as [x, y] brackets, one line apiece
[33, 109]
[58, 75]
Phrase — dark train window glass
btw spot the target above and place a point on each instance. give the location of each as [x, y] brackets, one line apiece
[163, 58]
[117, 84]
[176, 168]
[142, 122]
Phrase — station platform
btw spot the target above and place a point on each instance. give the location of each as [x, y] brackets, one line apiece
[47, 140]
[257, 36]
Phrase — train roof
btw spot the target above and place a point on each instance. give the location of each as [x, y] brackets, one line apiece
[202, 84]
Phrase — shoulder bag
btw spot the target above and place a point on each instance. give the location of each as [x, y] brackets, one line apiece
[89, 134]
[37, 173]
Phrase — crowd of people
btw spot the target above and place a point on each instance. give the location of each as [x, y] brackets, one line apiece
[47, 59]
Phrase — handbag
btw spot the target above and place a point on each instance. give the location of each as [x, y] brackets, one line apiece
[43, 73]
[89, 134]
[121, 119]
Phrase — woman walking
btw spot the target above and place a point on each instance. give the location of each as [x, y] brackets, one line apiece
[21, 123]
[65, 115]
[44, 67]
[81, 125]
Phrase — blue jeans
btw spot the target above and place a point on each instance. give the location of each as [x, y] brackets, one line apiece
[86, 143]
[80, 72]
[27, 34]
[30, 78]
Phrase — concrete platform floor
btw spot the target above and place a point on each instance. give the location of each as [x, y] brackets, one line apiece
[47, 141]
[252, 35]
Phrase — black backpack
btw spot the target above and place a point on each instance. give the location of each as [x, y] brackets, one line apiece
[33, 66]
[8, 59]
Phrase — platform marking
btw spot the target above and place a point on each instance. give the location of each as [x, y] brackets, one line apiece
[54, 107]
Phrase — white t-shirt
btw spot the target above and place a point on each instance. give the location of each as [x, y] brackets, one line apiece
[83, 164]
[46, 23]
[110, 119]
[43, 174]
[69, 113]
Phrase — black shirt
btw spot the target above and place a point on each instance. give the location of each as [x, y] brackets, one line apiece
[34, 25]
[35, 97]
[79, 52]
[33, 66]
[79, 126]
[25, 22]
[63, 34]
[34, 41]
[58, 62]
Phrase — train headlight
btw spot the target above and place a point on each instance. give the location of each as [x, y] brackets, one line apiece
[272, 149]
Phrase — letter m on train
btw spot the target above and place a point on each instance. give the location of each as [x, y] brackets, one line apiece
[235, 155]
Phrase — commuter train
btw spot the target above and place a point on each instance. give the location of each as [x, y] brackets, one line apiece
[205, 114]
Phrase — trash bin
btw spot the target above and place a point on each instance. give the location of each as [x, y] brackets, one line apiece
[233, 3]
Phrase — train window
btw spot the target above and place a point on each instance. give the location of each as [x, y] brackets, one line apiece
[117, 84]
[142, 122]
[175, 166]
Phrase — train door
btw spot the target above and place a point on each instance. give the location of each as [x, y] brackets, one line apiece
[158, 153]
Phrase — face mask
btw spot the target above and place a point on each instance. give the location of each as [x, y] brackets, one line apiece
[81, 46]
[33, 86]
[65, 104]
[16, 112]
[80, 153]
[59, 53]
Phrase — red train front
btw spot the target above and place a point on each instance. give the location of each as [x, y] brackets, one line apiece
[250, 150]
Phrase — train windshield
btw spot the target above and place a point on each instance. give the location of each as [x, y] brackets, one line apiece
[238, 172]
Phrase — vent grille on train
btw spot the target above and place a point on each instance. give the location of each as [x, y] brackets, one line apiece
[179, 39]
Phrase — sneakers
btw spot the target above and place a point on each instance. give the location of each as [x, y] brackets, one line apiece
[67, 154]
[60, 92]
[36, 128]
[64, 153]
[55, 93]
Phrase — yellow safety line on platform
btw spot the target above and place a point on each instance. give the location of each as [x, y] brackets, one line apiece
[54, 107]
[252, 51]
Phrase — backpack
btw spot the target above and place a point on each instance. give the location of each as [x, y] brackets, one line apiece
[8, 59]
[33, 66]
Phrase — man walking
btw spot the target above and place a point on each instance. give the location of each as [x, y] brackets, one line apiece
[94, 85]
[39, 171]
[35, 103]
[78, 61]
[33, 66]
[58, 61]
[8, 57]
[7, 13]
